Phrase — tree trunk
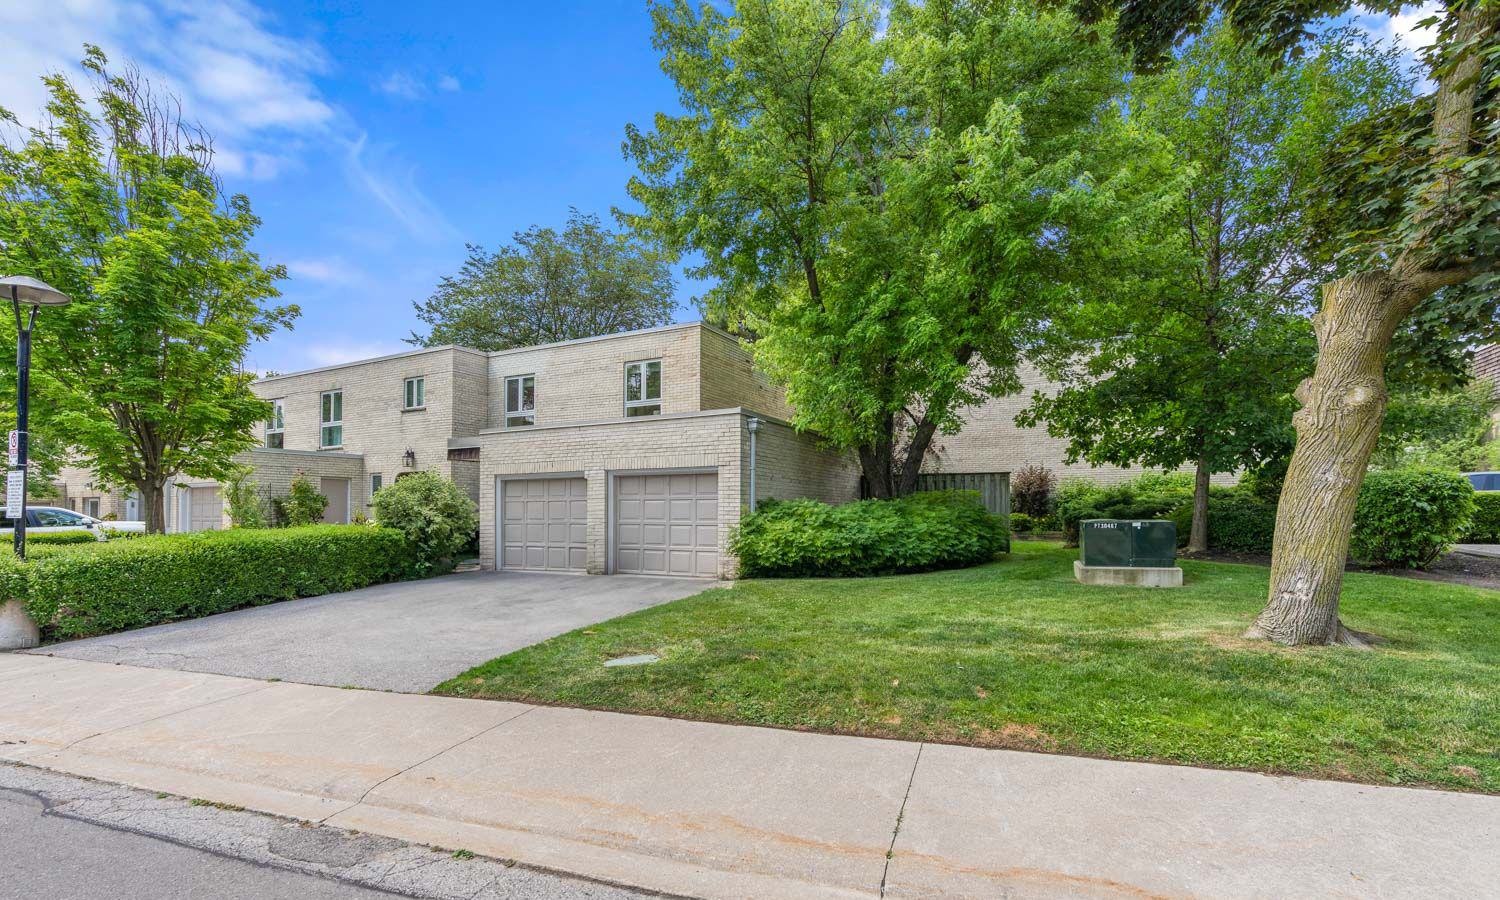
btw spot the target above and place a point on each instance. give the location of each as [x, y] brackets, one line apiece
[153, 503]
[875, 463]
[1198, 533]
[1343, 405]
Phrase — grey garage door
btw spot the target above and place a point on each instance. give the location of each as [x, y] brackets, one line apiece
[542, 524]
[205, 509]
[667, 524]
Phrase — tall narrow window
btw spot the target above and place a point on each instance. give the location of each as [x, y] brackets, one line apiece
[520, 401]
[643, 388]
[331, 435]
[375, 483]
[416, 393]
[276, 427]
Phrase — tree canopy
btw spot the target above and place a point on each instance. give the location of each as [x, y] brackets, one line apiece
[549, 286]
[142, 376]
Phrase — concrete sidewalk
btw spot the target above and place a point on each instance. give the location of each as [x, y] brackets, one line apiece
[722, 811]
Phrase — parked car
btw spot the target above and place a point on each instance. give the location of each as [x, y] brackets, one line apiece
[43, 519]
[1484, 481]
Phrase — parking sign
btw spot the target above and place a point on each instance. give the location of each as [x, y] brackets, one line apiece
[15, 492]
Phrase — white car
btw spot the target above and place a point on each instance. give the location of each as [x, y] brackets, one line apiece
[45, 519]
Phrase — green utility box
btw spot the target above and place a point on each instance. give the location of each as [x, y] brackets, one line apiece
[1127, 543]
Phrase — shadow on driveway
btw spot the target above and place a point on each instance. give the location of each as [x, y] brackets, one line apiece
[409, 636]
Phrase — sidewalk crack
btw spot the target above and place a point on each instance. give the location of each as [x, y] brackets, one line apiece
[901, 813]
[167, 715]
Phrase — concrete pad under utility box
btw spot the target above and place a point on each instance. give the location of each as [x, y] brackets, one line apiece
[1127, 576]
[994, 823]
[684, 807]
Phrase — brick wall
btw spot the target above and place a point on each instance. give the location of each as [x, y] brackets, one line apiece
[789, 465]
[730, 378]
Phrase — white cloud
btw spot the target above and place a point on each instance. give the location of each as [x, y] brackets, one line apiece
[326, 270]
[407, 86]
[335, 352]
[450, 84]
[1402, 28]
[393, 184]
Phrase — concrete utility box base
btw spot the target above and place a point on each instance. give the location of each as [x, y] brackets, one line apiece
[1139, 576]
[17, 631]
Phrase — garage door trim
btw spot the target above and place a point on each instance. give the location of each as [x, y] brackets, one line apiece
[500, 481]
[611, 526]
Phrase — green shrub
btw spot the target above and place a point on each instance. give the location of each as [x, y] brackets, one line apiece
[1021, 523]
[304, 505]
[805, 538]
[1410, 517]
[1238, 522]
[1149, 496]
[243, 496]
[161, 578]
[62, 537]
[434, 513]
[1484, 528]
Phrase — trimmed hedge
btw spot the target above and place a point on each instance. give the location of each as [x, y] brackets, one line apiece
[115, 586]
[1148, 496]
[62, 537]
[1238, 522]
[807, 539]
[1484, 528]
[1410, 517]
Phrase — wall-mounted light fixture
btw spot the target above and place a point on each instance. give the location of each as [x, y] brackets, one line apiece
[409, 458]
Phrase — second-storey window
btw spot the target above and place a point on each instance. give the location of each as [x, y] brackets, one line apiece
[332, 432]
[416, 393]
[643, 388]
[520, 401]
[276, 427]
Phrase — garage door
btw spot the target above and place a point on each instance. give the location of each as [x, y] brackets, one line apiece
[667, 524]
[542, 524]
[205, 509]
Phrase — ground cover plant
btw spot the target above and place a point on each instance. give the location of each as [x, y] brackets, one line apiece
[1017, 654]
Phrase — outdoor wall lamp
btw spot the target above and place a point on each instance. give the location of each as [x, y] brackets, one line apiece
[409, 458]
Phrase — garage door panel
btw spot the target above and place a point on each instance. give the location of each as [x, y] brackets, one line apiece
[667, 524]
[543, 524]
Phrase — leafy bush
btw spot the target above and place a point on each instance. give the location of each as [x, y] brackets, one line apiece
[1148, 496]
[1031, 491]
[162, 578]
[1484, 527]
[435, 515]
[1021, 523]
[1410, 517]
[805, 538]
[245, 507]
[304, 505]
[61, 537]
[1238, 522]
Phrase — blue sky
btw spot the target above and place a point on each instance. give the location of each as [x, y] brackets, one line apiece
[375, 139]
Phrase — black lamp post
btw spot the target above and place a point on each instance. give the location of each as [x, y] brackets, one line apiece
[35, 294]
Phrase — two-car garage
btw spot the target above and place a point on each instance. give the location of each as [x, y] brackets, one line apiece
[659, 523]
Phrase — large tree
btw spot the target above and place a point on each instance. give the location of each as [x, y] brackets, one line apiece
[891, 203]
[142, 377]
[1201, 371]
[550, 286]
[1411, 222]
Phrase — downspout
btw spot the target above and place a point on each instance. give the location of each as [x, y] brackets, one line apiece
[752, 425]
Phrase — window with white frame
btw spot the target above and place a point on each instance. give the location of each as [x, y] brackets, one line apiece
[276, 427]
[416, 393]
[376, 483]
[91, 507]
[331, 434]
[643, 388]
[520, 401]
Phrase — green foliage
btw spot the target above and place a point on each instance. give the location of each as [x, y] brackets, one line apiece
[1484, 527]
[161, 578]
[303, 505]
[890, 202]
[1150, 495]
[805, 538]
[61, 538]
[1438, 429]
[243, 495]
[1031, 491]
[1238, 522]
[549, 287]
[434, 513]
[1409, 517]
[143, 374]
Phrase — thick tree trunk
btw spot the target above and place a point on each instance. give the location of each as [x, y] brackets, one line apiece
[875, 464]
[1343, 405]
[154, 506]
[1198, 533]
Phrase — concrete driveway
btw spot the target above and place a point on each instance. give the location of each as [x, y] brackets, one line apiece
[409, 636]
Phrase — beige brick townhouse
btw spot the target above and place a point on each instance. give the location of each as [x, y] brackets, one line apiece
[628, 453]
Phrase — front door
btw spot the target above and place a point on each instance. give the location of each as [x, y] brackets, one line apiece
[337, 492]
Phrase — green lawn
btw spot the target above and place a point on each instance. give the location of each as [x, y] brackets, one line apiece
[1016, 654]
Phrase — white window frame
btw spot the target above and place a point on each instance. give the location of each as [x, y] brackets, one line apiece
[325, 410]
[644, 402]
[522, 413]
[95, 502]
[277, 423]
[377, 481]
[419, 394]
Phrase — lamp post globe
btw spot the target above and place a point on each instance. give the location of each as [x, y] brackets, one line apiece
[34, 294]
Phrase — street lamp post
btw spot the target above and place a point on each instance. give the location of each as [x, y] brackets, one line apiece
[35, 294]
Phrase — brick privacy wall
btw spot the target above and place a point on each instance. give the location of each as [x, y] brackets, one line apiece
[585, 380]
[275, 470]
[730, 378]
[789, 465]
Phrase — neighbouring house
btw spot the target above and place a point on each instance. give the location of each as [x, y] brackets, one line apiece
[625, 453]
[1487, 368]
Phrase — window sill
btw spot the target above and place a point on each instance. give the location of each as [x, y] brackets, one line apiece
[407, 409]
[338, 447]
